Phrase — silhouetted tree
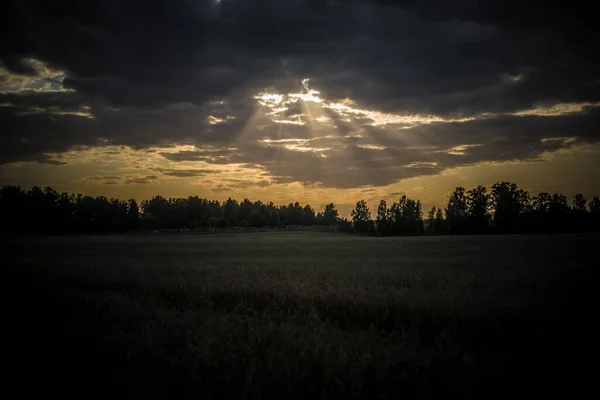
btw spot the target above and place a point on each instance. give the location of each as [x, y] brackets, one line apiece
[382, 221]
[46, 211]
[133, 215]
[477, 213]
[430, 220]
[330, 215]
[308, 216]
[579, 203]
[258, 216]
[231, 211]
[439, 222]
[406, 217]
[361, 217]
[579, 219]
[456, 211]
[319, 220]
[509, 204]
[274, 220]
[559, 211]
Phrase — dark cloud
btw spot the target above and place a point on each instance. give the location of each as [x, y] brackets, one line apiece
[401, 55]
[338, 161]
[141, 180]
[423, 150]
[48, 161]
[187, 173]
[240, 184]
[203, 155]
[103, 178]
[155, 74]
[113, 179]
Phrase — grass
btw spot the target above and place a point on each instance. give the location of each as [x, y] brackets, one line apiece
[299, 315]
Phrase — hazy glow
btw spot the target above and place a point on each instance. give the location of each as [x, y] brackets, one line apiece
[297, 120]
[515, 78]
[292, 140]
[179, 148]
[422, 164]
[346, 108]
[293, 144]
[557, 109]
[348, 111]
[307, 94]
[371, 146]
[296, 147]
[83, 111]
[459, 150]
[269, 99]
[215, 120]
[564, 140]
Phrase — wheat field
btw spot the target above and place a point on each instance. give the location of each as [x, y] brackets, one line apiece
[297, 315]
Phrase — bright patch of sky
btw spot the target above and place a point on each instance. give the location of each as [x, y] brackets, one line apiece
[45, 79]
[349, 111]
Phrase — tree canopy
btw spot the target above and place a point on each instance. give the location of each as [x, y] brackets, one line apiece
[505, 209]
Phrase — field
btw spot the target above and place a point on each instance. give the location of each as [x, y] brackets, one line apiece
[298, 315]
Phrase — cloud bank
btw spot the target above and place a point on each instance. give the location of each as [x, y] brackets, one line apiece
[336, 94]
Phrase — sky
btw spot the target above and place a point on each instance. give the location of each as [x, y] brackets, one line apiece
[314, 101]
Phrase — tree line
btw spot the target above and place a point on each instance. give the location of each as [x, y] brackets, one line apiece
[44, 210]
[505, 209]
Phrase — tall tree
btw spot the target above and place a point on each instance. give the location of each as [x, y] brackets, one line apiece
[579, 203]
[361, 216]
[382, 222]
[382, 212]
[308, 216]
[330, 214]
[579, 220]
[406, 217]
[133, 215]
[245, 210]
[439, 221]
[509, 204]
[456, 210]
[477, 210]
[431, 220]
[231, 211]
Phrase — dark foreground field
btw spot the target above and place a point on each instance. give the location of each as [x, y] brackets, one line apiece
[298, 315]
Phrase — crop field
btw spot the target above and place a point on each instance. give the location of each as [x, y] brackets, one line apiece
[298, 315]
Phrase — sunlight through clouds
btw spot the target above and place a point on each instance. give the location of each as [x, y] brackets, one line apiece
[371, 146]
[302, 100]
[82, 111]
[313, 107]
[459, 150]
[212, 120]
[557, 109]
